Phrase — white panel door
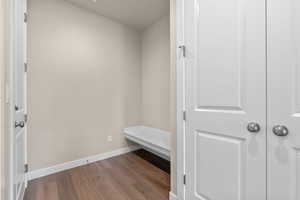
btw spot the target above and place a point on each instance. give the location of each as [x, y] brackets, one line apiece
[18, 99]
[284, 99]
[225, 91]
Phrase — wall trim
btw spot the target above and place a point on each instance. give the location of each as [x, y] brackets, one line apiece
[172, 196]
[80, 162]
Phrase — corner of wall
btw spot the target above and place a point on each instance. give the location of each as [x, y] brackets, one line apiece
[156, 75]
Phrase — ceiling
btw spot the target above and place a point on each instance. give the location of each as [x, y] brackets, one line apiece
[135, 13]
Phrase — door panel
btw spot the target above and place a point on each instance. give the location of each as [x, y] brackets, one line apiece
[230, 184]
[284, 99]
[225, 90]
[219, 31]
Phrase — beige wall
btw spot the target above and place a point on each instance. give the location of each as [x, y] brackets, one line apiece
[156, 75]
[159, 80]
[83, 85]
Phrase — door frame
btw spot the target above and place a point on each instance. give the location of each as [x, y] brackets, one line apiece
[180, 99]
[10, 21]
[10, 96]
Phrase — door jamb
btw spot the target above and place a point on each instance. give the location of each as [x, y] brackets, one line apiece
[26, 89]
[180, 82]
[10, 15]
[10, 94]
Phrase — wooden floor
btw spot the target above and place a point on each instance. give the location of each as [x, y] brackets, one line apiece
[127, 177]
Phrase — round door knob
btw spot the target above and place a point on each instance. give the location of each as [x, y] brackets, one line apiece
[20, 124]
[280, 130]
[253, 127]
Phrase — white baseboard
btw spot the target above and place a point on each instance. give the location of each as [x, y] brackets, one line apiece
[173, 196]
[76, 163]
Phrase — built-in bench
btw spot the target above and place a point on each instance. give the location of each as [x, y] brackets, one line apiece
[151, 139]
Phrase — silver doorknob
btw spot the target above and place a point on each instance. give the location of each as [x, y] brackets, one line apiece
[20, 124]
[280, 130]
[253, 127]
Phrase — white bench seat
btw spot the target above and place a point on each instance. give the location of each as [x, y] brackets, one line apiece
[151, 139]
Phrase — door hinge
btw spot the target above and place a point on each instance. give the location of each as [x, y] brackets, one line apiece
[26, 168]
[25, 17]
[25, 118]
[184, 115]
[25, 67]
[183, 49]
[184, 179]
[16, 107]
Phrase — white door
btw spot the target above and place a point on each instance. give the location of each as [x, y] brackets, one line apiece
[225, 91]
[18, 99]
[284, 99]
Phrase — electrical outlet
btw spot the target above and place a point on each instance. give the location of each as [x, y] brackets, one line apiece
[109, 138]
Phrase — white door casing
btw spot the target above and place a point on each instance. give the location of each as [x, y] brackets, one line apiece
[283, 17]
[225, 90]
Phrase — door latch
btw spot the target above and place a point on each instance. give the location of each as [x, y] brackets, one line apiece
[183, 49]
[26, 168]
[20, 124]
[184, 115]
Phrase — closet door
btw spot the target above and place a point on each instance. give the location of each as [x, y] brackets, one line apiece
[283, 99]
[17, 144]
[225, 99]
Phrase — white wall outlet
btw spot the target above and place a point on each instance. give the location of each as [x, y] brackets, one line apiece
[109, 138]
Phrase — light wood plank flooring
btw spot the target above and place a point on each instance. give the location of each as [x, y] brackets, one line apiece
[130, 176]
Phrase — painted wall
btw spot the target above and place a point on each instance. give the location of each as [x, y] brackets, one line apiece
[156, 75]
[84, 83]
[159, 80]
